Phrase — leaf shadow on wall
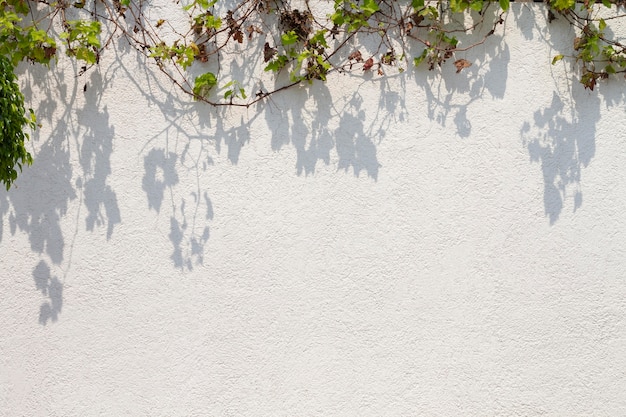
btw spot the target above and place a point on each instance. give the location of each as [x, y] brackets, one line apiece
[561, 136]
[41, 195]
[309, 119]
[450, 93]
[52, 288]
[172, 149]
[562, 139]
[160, 175]
[180, 145]
[192, 214]
[40, 198]
[95, 146]
[338, 126]
[306, 118]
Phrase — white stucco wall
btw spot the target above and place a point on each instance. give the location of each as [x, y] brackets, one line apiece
[425, 244]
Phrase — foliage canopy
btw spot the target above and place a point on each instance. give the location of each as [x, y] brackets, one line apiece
[306, 44]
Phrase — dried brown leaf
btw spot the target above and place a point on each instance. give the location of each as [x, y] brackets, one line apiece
[268, 52]
[356, 56]
[368, 64]
[460, 64]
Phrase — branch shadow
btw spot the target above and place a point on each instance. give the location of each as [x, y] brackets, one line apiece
[333, 126]
[306, 119]
[322, 129]
[164, 158]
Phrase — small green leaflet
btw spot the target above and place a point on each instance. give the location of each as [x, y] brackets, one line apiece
[370, 7]
[204, 83]
[289, 38]
[557, 59]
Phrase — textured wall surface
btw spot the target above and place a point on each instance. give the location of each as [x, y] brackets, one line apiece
[424, 244]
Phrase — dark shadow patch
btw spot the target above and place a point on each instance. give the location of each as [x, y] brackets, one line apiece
[160, 173]
[41, 197]
[561, 138]
[52, 288]
[354, 147]
[95, 150]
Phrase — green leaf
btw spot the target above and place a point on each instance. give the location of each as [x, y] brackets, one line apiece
[12, 150]
[557, 59]
[504, 4]
[319, 39]
[203, 4]
[93, 41]
[213, 22]
[370, 7]
[602, 25]
[417, 61]
[458, 6]
[417, 4]
[204, 83]
[289, 38]
[21, 7]
[338, 18]
[85, 54]
[476, 5]
[277, 64]
[562, 4]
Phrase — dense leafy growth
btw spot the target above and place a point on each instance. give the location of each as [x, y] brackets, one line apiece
[12, 122]
[307, 43]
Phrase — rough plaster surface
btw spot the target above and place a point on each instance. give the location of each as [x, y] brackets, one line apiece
[424, 245]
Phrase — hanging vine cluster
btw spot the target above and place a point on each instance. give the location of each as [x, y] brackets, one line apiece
[293, 44]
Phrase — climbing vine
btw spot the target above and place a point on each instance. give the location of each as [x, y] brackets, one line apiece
[286, 44]
[12, 123]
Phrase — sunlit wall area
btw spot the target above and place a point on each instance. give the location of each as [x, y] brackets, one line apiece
[426, 243]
